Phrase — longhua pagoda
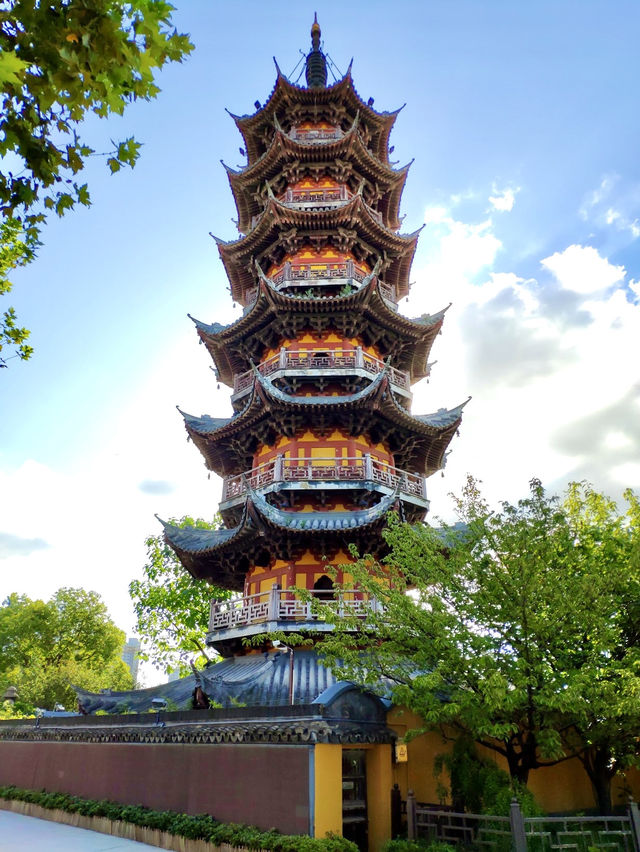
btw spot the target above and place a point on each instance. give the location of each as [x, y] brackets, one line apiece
[321, 445]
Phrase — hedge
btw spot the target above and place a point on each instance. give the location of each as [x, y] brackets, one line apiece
[198, 827]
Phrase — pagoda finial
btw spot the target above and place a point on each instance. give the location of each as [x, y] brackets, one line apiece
[316, 61]
[315, 32]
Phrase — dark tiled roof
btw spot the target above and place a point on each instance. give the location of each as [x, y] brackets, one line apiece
[256, 680]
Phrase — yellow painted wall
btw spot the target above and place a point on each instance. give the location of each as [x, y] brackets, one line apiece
[564, 787]
[379, 784]
[328, 790]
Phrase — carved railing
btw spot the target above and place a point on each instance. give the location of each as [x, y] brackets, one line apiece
[287, 605]
[315, 196]
[307, 359]
[365, 468]
[313, 278]
[304, 272]
[518, 833]
[315, 135]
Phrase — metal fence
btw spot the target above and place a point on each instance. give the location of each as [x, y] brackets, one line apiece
[518, 833]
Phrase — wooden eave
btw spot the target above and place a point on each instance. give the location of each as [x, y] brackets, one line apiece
[417, 446]
[266, 533]
[245, 184]
[365, 314]
[254, 128]
[278, 221]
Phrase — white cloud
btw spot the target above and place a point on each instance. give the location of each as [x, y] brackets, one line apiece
[582, 269]
[613, 204]
[550, 364]
[503, 199]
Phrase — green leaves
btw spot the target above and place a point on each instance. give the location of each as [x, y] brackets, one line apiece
[172, 608]
[58, 62]
[521, 626]
[47, 647]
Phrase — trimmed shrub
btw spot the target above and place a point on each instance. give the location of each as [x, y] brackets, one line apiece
[194, 827]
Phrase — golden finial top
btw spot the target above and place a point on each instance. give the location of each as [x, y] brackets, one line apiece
[315, 32]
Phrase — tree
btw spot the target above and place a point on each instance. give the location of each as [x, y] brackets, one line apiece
[171, 607]
[47, 648]
[520, 629]
[60, 61]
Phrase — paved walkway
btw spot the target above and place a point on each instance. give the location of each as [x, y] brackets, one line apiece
[18, 833]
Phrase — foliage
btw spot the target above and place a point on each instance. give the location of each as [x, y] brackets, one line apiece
[480, 786]
[47, 647]
[198, 827]
[171, 607]
[399, 844]
[60, 62]
[520, 630]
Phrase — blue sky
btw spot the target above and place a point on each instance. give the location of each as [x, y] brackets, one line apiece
[524, 124]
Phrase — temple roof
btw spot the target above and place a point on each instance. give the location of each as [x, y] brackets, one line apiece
[418, 443]
[290, 156]
[275, 316]
[282, 229]
[339, 104]
[223, 556]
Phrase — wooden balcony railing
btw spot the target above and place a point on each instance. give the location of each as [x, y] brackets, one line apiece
[304, 272]
[313, 278]
[305, 359]
[287, 605]
[365, 468]
[300, 135]
[315, 196]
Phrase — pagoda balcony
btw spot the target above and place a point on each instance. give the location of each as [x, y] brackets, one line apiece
[284, 610]
[333, 474]
[315, 136]
[316, 196]
[322, 281]
[305, 363]
[304, 272]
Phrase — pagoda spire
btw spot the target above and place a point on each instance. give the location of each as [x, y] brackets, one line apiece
[316, 72]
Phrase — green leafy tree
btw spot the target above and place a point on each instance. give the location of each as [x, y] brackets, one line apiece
[171, 607]
[519, 630]
[47, 648]
[59, 62]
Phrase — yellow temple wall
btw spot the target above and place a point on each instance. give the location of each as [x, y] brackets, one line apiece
[328, 791]
[564, 787]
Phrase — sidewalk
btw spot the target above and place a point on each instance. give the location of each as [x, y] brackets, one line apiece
[18, 833]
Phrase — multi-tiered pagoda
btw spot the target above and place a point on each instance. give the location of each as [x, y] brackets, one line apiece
[321, 444]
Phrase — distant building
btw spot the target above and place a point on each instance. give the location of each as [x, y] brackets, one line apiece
[130, 654]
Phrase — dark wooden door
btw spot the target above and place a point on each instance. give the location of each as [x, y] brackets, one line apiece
[354, 797]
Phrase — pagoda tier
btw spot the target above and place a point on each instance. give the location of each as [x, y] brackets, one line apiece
[291, 158]
[282, 230]
[418, 442]
[275, 316]
[225, 557]
[338, 105]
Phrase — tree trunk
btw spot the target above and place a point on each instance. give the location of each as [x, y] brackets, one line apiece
[519, 765]
[597, 763]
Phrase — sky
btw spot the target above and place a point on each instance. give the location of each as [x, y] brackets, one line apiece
[523, 122]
